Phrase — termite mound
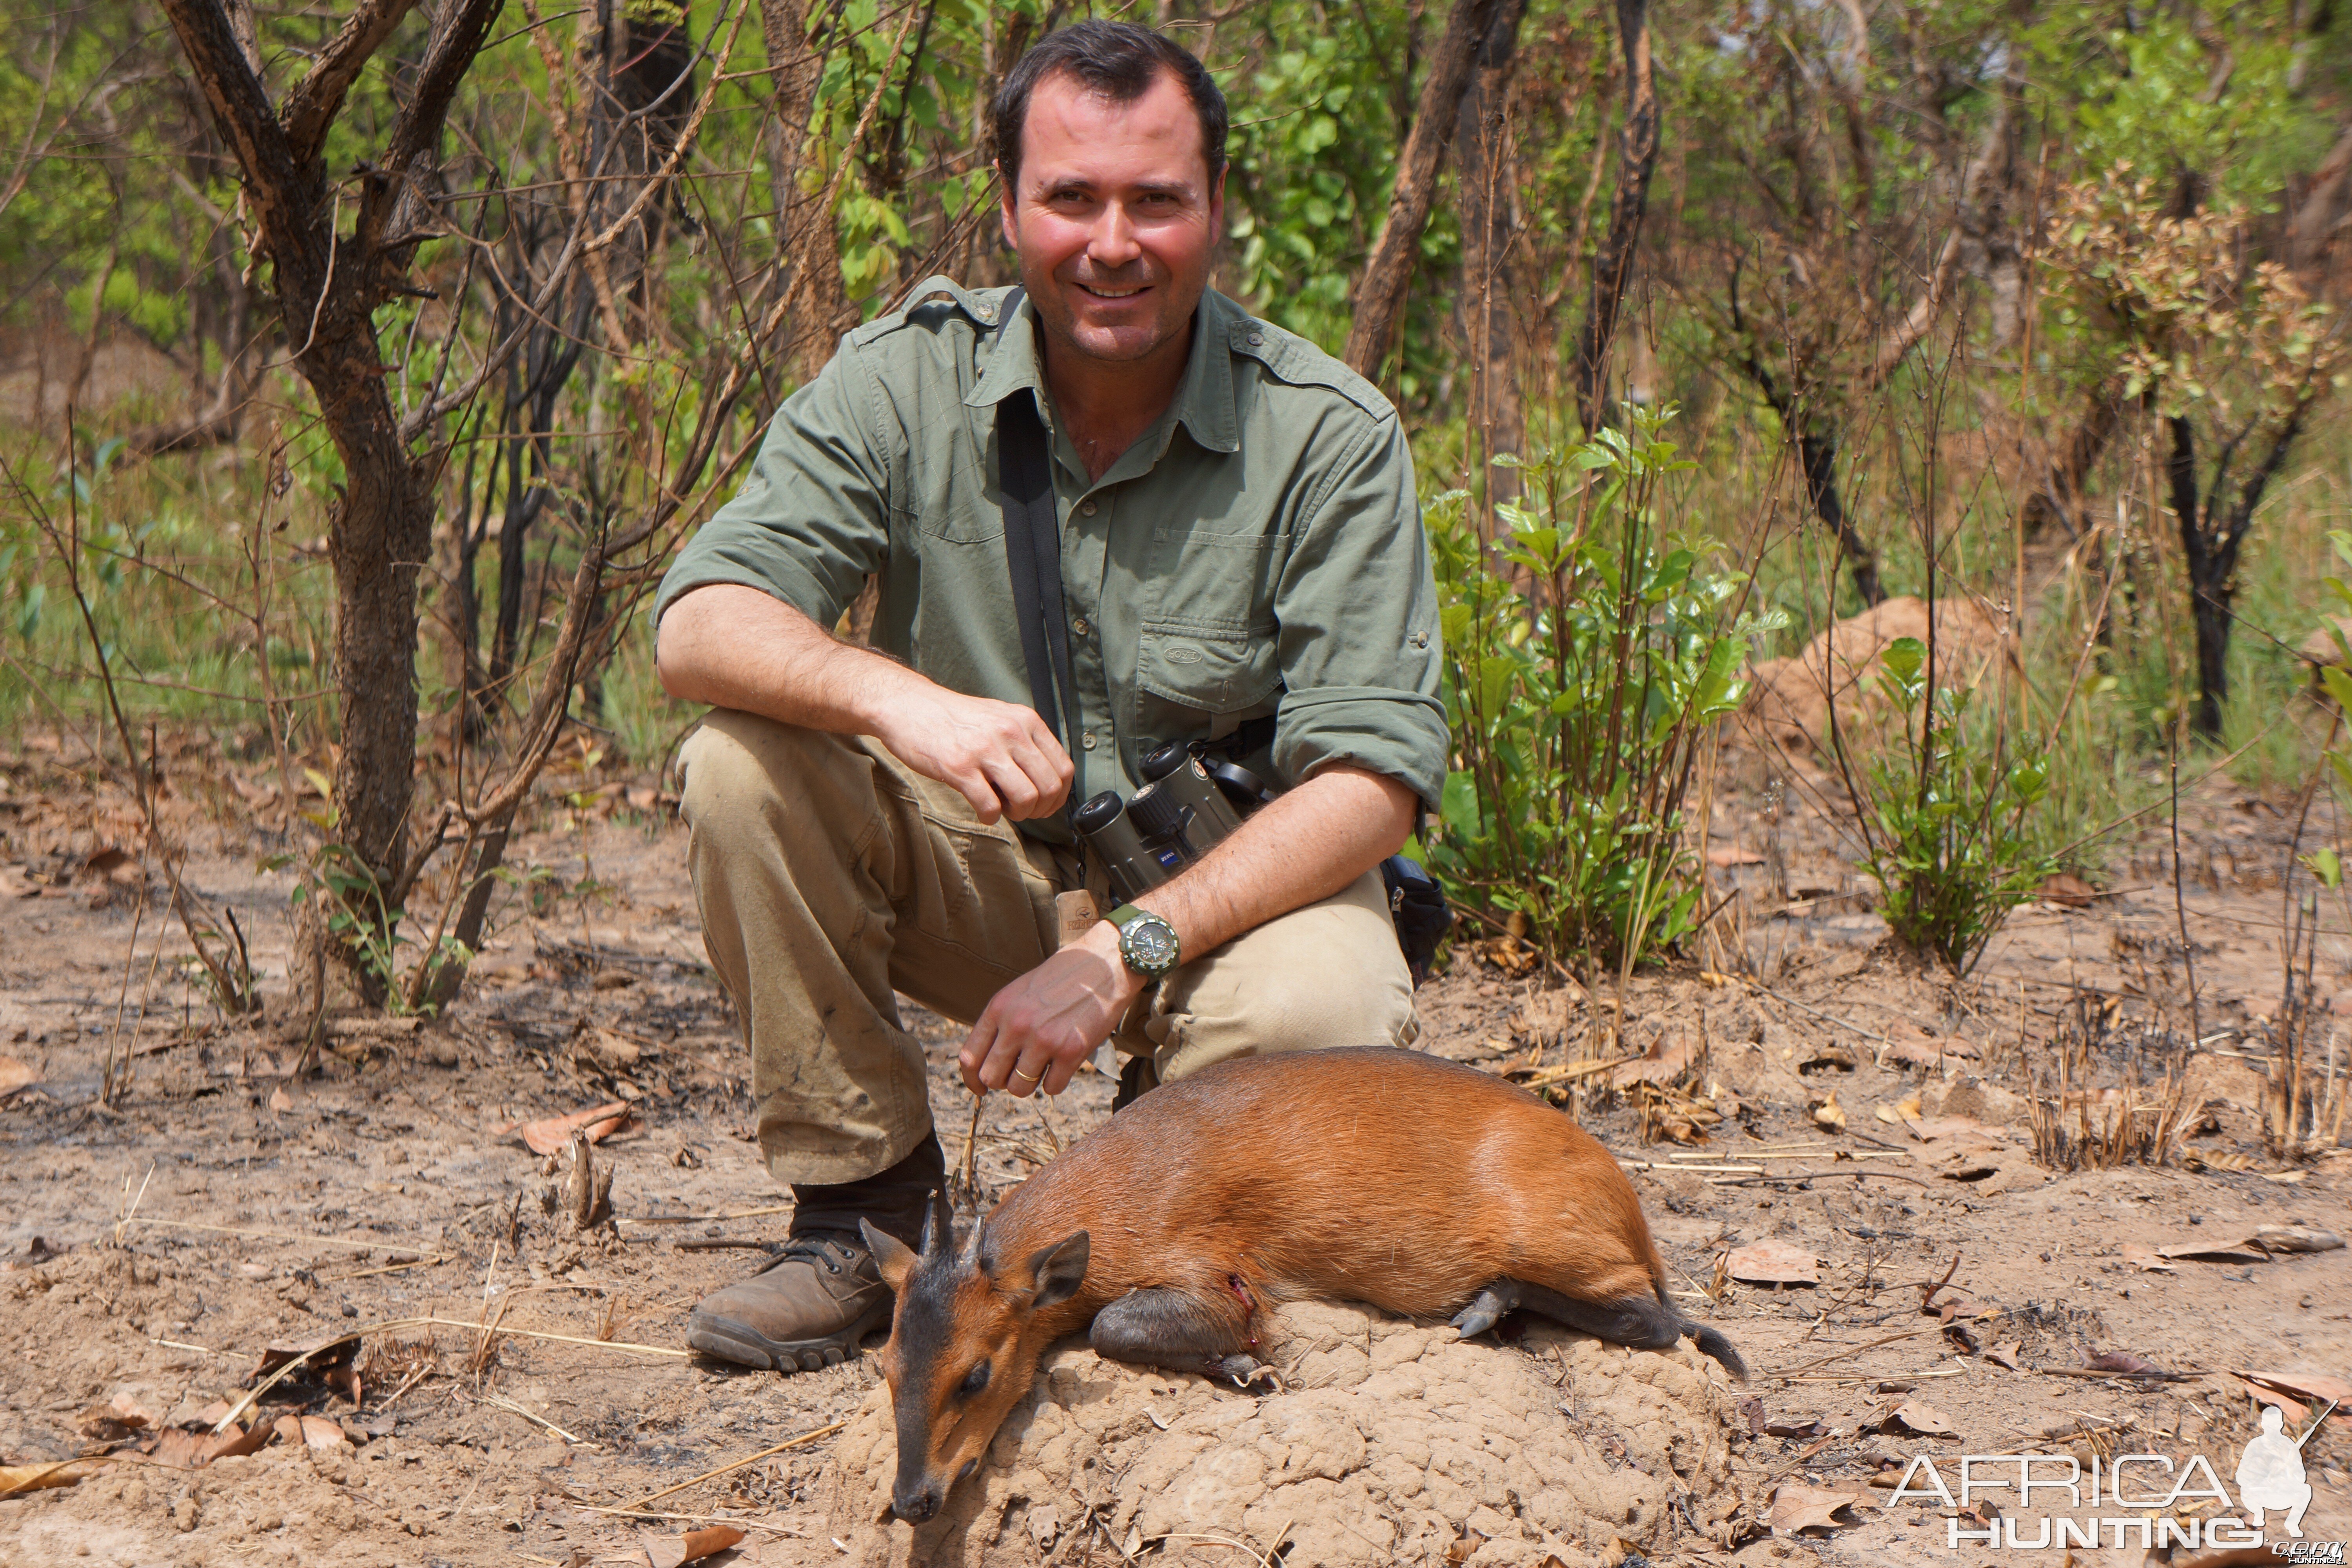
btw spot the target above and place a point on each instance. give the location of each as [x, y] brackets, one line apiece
[1391, 1443]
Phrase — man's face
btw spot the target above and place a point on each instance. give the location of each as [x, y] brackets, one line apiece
[1115, 218]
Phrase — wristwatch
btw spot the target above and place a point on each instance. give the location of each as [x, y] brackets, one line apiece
[1148, 942]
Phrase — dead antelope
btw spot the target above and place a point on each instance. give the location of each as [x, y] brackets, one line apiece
[1418, 1185]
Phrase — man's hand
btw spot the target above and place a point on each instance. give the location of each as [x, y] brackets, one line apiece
[1039, 1029]
[734, 647]
[998, 755]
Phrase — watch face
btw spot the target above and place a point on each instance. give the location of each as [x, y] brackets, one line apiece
[1150, 945]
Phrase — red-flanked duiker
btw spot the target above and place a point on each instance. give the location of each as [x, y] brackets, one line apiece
[1418, 1185]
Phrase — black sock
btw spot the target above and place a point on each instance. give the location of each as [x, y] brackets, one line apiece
[893, 1199]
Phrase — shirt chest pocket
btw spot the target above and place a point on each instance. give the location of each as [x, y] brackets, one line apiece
[1207, 643]
[1206, 670]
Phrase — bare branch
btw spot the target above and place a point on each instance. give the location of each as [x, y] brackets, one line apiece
[1612, 264]
[1381, 293]
[316, 100]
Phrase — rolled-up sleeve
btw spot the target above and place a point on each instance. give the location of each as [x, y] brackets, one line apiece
[813, 519]
[1357, 609]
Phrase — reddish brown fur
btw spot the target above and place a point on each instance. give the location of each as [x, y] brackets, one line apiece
[1376, 1175]
[1372, 1176]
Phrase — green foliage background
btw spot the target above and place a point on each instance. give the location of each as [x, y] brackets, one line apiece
[1807, 174]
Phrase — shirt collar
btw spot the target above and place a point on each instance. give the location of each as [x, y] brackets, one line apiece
[1204, 398]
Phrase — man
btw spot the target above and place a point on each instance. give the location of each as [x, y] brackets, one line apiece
[1241, 562]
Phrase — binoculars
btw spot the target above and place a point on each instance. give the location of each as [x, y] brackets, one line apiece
[1185, 808]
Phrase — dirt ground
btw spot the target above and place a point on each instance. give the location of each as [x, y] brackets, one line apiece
[1805, 1087]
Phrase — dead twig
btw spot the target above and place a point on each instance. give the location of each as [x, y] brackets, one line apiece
[1850, 1350]
[788, 1443]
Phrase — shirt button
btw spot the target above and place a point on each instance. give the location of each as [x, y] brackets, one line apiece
[1079, 625]
[985, 312]
[1089, 508]
[1257, 340]
[1086, 741]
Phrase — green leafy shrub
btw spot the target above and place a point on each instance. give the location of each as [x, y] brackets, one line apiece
[1586, 658]
[1945, 813]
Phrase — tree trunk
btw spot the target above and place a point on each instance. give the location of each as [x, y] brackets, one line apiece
[1612, 264]
[1817, 448]
[2211, 540]
[328, 288]
[1817, 454]
[823, 310]
[1381, 291]
[1484, 175]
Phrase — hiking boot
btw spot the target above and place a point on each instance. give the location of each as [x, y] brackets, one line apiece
[822, 1294]
[808, 1308]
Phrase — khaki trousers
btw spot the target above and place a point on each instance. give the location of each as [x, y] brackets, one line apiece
[829, 875]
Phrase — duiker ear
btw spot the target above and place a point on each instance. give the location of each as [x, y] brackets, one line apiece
[1058, 1271]
[891, 1255]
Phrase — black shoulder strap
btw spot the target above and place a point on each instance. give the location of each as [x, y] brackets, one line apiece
[1033, 548]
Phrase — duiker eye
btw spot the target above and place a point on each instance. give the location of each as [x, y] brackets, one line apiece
[973, 1382]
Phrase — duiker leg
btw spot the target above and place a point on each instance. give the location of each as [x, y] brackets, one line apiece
[1640, 1322]
[1164, 1326]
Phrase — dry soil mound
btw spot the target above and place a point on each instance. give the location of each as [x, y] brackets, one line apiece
[1390, 1442]
[1791, 696]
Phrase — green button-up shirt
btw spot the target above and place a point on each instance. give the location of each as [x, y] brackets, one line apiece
[1258, 550]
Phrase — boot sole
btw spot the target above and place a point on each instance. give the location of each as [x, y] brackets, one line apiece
[745, 1346]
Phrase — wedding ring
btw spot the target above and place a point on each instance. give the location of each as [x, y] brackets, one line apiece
[1031, 1078]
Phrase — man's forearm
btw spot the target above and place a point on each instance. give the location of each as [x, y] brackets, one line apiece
[1308, 844]
[734, 647]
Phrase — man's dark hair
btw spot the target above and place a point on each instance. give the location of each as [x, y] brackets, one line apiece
[1117, 60]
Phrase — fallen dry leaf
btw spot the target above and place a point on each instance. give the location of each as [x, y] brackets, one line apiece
[310, 1432]
[330, 1363]
[1830, 1114]
[279, 1101]
[2120, 1360]
[1773, 1263]
[2315, 1386]
[1661, 1064]
[34, 1478]
[2006, 1355]
[1728, 857]
[552, 1134]
[674, 1551]
[2146, 1258]
[1797, 1507]
[15, 1075]
[2238, 1387]
[2295, 1238]
[1919, 1416]
[235, 1442]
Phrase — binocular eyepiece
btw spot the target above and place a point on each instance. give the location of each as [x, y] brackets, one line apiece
[1185, 809]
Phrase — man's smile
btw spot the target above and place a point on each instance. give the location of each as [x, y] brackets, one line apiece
[1106, 291]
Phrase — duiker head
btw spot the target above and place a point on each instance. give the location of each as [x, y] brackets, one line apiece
[964, 1343]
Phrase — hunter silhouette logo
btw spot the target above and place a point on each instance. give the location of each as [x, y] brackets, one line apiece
[2270, 1472]
[2182, 1504]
